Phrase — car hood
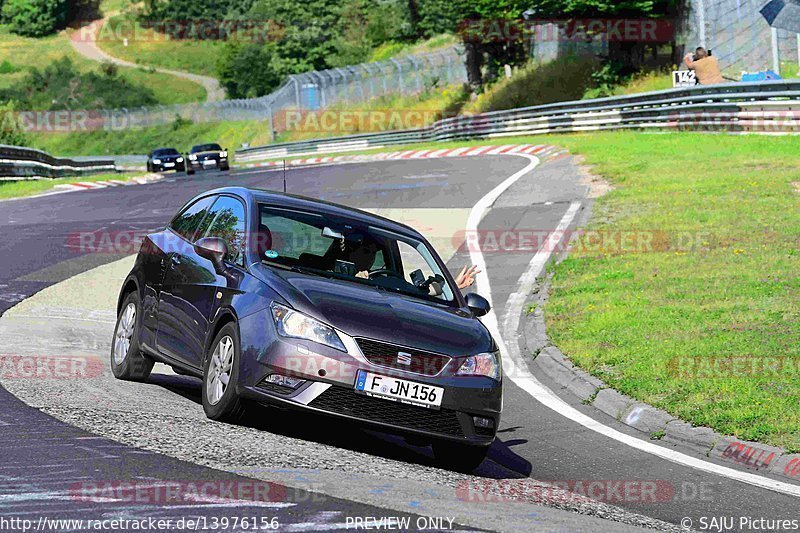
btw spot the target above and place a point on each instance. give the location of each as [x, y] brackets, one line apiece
[364, 311]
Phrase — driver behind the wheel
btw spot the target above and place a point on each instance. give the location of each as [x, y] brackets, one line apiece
[363, 257]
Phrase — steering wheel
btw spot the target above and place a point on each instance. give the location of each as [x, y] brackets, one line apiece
[384, 272]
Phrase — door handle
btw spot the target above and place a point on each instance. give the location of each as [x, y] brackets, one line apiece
[175, 259]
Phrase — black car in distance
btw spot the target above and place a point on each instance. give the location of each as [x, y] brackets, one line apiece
[163, 159]
[207, 156]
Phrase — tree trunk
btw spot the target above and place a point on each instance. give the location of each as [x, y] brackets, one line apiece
[474, 62]
[413, 15]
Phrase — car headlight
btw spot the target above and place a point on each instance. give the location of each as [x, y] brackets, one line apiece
[223, 154]
[179, 160]
[193, 157]
[291, 323]
[156, 161]
[483, 364]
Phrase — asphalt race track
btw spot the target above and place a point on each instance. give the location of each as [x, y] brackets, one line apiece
[346, 472]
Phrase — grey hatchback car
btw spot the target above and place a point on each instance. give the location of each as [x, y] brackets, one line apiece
[303, 304]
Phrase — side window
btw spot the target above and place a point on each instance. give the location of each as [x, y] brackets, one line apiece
[412, 260]
[227, 221]
[187, 222]
[292, 238]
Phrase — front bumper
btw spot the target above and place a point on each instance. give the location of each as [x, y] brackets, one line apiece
[329, 390]
[179, 167]
[208, 164]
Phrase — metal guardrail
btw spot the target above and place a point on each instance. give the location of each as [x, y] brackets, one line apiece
[760, 107]
[20, 162]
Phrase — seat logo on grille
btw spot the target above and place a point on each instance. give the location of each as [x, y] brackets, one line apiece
[403, 358]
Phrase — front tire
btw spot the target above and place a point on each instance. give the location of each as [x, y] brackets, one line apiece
[220, 376]
[127, 360]
[459, 457]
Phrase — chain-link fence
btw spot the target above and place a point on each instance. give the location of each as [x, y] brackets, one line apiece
[737, 34]
[310, 90]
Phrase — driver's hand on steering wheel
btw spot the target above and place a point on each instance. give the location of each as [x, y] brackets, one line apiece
[363, 274]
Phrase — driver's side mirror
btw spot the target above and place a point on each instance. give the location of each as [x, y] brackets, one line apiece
[214, 249]
[477, 304]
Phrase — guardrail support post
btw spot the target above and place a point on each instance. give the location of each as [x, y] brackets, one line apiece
[776, 63]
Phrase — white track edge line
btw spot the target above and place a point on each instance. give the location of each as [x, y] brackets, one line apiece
[522, 377]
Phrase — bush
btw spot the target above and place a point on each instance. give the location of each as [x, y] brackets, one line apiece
[7, 68]
[61, 86]
[246, 69]
[11, 131]
[35, 18]
[557, 81]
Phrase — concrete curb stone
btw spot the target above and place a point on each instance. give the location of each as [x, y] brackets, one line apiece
[658, 424]
[749, 455]
[787, 465]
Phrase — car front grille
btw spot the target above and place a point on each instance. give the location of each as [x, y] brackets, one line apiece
[346, 401]
[391, 355]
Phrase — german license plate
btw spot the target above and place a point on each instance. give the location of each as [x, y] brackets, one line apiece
[399, 390]
[209, 163]
[169, 165]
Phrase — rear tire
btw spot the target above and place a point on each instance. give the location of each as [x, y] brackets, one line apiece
[458, 457]
[127, 360]
[220, 399]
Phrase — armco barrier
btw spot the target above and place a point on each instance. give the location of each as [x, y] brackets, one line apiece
[21, 162]
[768, 107]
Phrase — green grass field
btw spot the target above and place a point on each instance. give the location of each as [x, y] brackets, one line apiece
[22, 52]
[147, 47]
[641, 322]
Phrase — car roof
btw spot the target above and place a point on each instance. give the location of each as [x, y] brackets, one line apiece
[295, 201]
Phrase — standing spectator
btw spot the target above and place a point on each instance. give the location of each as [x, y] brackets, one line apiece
[705, 67]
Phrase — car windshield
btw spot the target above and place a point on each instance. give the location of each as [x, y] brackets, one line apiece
[165, 151]
[213, 147]
[352, 251]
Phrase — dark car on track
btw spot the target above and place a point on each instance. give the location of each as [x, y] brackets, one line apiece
[162, 159]
[207, 156]
[284, 300]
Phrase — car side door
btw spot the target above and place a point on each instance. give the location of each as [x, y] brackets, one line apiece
[179, 264]
[192, 285]
[154, 258]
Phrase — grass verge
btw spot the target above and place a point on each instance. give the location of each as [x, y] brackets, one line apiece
[140, 141]
[22, 52]
[706, 324]
[16, 189]
[148, 47]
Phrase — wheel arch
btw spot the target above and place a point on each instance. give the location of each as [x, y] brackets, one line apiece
[131, 285]
[223, 317]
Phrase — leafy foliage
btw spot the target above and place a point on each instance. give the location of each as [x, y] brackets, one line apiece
[35, 18]
[246, 69]
[60, 85]
[11, 131]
